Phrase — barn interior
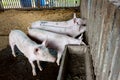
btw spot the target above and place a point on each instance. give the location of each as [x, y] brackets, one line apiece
[102, 37]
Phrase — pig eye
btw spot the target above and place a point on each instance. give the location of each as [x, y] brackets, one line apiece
[36, 50]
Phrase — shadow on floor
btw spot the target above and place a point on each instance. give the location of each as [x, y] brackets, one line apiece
[20, 69]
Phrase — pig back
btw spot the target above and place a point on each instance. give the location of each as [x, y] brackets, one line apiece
[20, 38]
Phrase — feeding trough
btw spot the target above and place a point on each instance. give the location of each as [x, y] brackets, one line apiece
[75, 64]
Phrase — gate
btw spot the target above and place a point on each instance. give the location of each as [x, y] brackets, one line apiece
[38, 4]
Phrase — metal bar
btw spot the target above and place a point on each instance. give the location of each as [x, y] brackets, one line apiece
[1, 6]
[40, 4]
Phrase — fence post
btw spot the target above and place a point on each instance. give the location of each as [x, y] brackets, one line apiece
[1, 6]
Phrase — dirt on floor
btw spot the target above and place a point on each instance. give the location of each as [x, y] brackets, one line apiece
[18, 68]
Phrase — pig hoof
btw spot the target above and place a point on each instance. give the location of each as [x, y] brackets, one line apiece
[14, 55]
[58, 63]
[41, 69]
[34, 74]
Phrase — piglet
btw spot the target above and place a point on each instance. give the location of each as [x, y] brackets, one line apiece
[72, 27]
[55, 41]
[30, 49]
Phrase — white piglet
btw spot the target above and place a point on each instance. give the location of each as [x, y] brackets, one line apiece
[72, 27]
[55, 41]
[69, 23]
[30, 49]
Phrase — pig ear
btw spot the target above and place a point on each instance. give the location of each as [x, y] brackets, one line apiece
[74, 16]
[44, 43]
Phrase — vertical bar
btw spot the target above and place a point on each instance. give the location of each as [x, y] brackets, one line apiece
[12, 6]
[18, 3]
[11, 3]
[119, 76]
[4, 4]
[1, 6]
[59, 3]
[66, 3]
[39, 4]
[15, 4]
[47, 3]
[115, 62]
[74, 3]
[33, 3]
[8, 3]
[56, 3]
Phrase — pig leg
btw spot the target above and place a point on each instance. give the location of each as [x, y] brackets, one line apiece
[59, 57]
[40, 68]
[83, 43]
[12, 48]
[33, 68]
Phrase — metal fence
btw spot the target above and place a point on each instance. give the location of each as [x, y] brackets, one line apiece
[27, 4]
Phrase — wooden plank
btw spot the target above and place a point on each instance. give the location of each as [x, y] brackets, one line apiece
[102, 40]
[98, 22]
[108, 52]
[102, 35]
[83, 8]
[115, 67]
